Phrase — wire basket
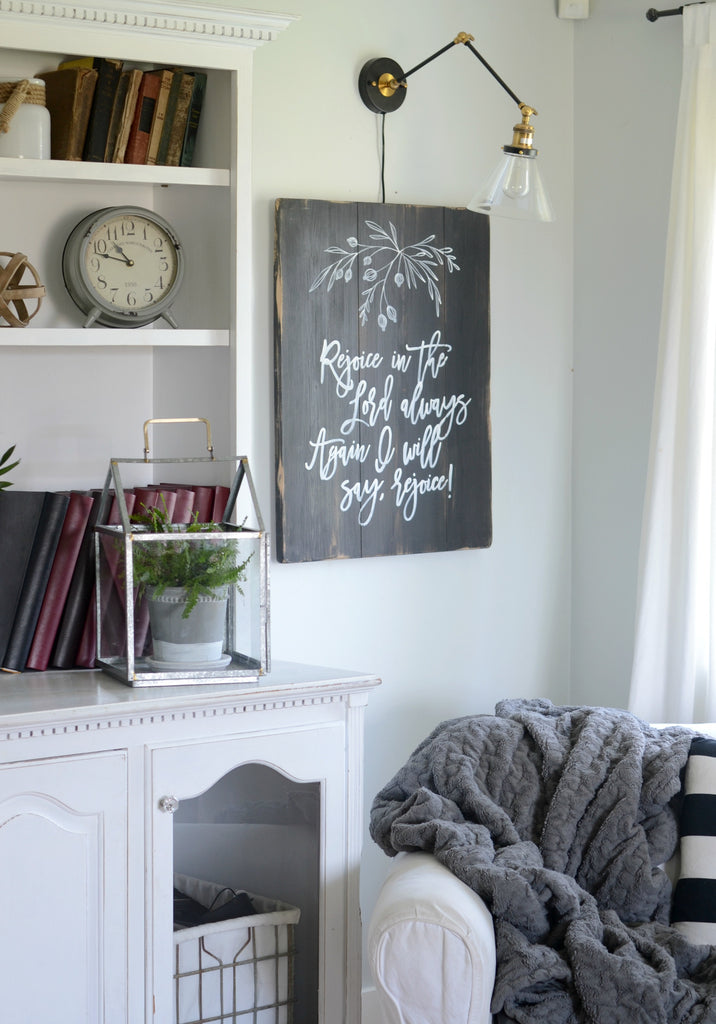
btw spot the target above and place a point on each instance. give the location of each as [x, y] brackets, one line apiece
[239, 970]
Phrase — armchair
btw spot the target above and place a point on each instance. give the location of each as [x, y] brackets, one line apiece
[431, 942]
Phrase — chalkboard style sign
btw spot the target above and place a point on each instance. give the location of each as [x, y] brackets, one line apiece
[382, 380]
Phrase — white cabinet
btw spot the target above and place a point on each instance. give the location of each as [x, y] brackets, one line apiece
[63, 832]
[79, 396]
[88, 842]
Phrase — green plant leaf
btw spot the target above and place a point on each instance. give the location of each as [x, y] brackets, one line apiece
[200, 567]
[4, 469]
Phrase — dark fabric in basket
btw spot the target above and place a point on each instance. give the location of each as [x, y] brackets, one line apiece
[188, 913]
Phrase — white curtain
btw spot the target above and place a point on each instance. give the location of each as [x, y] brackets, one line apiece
[674, 670]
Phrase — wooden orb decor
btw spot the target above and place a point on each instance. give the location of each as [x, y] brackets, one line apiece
[14, 294]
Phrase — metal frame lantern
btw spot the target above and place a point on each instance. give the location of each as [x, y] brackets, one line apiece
[160, 585]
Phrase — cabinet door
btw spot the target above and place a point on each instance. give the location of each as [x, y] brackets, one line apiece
[305, 755]
[63, 890]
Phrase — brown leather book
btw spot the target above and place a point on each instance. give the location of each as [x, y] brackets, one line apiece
[108, 71]
[68, 96]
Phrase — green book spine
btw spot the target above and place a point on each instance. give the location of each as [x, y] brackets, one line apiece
[192, 125]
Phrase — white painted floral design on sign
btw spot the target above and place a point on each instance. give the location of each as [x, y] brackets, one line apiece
[385, 265]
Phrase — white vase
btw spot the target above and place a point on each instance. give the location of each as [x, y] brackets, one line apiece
[29, 132]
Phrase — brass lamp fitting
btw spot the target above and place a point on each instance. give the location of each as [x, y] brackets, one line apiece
[523, 133]
[387, 84]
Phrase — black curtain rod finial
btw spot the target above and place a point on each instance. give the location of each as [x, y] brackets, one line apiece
[653, 15]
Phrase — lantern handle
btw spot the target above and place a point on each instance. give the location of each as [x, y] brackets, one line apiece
[189, 419]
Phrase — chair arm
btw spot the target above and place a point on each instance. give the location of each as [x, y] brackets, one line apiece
[431, 946]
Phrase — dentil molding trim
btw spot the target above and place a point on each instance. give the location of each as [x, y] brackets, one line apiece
[178, 19]
[123, 720]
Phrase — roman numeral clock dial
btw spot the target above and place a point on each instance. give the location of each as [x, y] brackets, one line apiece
[123, 267]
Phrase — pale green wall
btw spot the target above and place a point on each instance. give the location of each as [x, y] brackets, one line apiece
[449, 633]
[626, 96]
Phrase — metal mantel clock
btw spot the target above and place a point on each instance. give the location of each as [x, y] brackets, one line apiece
[123, 267]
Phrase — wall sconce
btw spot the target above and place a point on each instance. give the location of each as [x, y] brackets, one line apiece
[515, 188]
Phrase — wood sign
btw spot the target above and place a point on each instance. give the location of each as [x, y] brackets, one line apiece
[382, 380]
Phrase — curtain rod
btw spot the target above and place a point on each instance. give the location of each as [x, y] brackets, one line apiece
[653, 15]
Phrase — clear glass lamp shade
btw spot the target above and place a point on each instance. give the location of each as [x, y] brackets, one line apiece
[514, 190]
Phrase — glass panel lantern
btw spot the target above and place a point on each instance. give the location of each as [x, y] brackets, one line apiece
[181, 602]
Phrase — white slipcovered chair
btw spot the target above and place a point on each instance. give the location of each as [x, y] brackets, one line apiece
[431, 946]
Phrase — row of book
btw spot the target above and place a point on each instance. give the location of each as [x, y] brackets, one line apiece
[101, 111]
[47, 597]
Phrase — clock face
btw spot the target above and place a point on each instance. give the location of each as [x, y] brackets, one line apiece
[123, 266]
[130, 262]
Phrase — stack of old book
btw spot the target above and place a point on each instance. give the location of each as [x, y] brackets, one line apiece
[103, 111]
[47, 597]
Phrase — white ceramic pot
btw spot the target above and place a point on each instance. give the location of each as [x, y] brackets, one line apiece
[197, 639]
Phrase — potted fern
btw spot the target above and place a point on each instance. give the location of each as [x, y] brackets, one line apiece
[186, 576]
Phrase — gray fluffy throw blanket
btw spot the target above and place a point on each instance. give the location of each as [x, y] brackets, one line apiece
[559, 817]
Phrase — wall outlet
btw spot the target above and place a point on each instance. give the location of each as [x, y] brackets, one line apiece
[573, 8]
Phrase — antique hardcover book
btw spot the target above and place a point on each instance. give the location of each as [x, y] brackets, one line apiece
[138, 141]
[54, 508]
[192, 125]
[159, 115]
[108, 72]
[68, 97]
[177, 113]
[125, 102]
[58, 583]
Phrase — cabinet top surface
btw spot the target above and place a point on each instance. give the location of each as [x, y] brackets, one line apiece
[45, 696]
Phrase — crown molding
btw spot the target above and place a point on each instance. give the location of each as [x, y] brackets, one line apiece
[175, 20]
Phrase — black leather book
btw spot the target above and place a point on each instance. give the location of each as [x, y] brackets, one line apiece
[19, 517]
[39, 565]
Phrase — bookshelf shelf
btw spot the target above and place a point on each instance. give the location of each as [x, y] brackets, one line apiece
[75, 172]
[98, 338]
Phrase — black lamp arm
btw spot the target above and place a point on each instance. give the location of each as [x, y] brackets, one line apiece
[382, 84]
[465, 39]
[494, 74]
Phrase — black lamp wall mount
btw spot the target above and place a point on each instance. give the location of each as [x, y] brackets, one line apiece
[382, 85]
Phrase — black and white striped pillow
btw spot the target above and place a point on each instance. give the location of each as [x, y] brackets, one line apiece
[693, 909]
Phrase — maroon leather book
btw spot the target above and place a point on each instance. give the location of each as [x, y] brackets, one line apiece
[147, 497]
[221, 496]
[87, 650]
[58, 584]
[184, 507]
[203, 506]
[79, 596]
